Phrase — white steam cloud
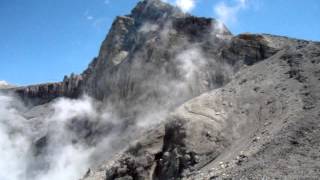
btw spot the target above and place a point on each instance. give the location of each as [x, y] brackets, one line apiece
[191, 60]
[228, 13]
[148, 27]
[195, 71]
[48, 142]
[184, 5]
[13, 146]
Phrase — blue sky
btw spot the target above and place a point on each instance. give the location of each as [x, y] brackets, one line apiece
[43, 40]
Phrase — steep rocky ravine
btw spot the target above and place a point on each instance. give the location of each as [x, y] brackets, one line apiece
[194, 101]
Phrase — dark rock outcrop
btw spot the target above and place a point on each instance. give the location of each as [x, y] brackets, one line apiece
[44, 93]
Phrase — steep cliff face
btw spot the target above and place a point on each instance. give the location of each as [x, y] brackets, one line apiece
[44, 93]
[141, 59]
[263, 124]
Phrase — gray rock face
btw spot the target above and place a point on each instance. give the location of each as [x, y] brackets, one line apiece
[44, 93]
[224, 106]
[139, 60]
[263, 124]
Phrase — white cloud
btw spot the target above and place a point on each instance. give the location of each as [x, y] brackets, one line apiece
[186, 5]
[228, 13]
[3, 83]
[190, 62]
[66, 109]
[65, 159]
[71, 161]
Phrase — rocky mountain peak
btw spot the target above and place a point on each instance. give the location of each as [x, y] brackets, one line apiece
[154, 10]
[160, 12]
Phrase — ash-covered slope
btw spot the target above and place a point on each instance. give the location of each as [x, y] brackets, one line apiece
[263, 124]
[257, 89]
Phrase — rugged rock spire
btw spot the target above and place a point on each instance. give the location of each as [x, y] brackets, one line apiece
[132, 38]
[154, 10]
